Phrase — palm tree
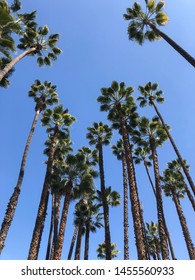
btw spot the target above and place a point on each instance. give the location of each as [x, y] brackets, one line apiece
[99, 135]
[154, 134]
[43, 94]
[58, 121]
[35, 42]
[73, 242]
[153, 240]
[143, 25]
[173, 186]
[149, 94]
[118, 151]
[101, 250]
[117, 100]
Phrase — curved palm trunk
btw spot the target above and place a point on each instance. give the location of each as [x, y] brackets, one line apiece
[165, 224]
[160, 212]
[60, 237]
[42, 209]
[125, 210]
[87, 234]
[173, 44]
[78, 244]
[11, 208]
[105, 203]
[175, 148]
[135, 204]
[184, 226]
[73, 242]
[10, 65]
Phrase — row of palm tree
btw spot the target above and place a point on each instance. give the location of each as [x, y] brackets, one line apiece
[71, 177]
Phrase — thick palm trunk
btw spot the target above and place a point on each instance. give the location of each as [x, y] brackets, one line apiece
[73, 242]
[125, 210]
[11, 208]
[135, 204]
[165, 224]
[175, 148]
[41, 215]
[160, 212]
[87, 234]
[105, 203]
[78, 243]
[184, 226]
[61, 233]
[10, 65]
[173, 44]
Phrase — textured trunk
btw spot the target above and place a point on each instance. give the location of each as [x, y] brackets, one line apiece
[160, 212]
[10, 65]
[60, 238]
[175, 148]
[184, 226]
[50, 232]
[173, 44]
[73, 242]
[41, 215]
[11, 208]
[78, 244]
[125, 209]
[105, 203]
[135, 204]
[87, 233]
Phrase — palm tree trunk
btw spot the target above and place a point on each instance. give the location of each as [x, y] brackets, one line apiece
[48, 252]
[173, 44]
[175, 148]
[125, 210]
[10, 65]
[11, 208]
[165, 224]
[60, 238]
[184, 226]
[78, 243]
[160, 212]
[105, 203]
[73, 242]
[41, 215]
[86, 252]
[135, 204]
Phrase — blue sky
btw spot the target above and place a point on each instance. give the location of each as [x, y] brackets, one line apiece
[96, 51]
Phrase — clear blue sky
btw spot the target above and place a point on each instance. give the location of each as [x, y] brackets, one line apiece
[96, 51]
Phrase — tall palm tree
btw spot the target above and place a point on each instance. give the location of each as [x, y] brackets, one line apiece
[143, 25]
[173, 186]
[44, 94]
[154, 134]
[35, 42]
[117, 100]
[118, 151]
[73, 242]
[99, 135]
[149, 94]
[58, 121]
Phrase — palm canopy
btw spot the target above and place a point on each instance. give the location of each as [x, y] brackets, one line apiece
[149, 93]
[98, 134]
[43, 94]
[139, 28]
[112, 197]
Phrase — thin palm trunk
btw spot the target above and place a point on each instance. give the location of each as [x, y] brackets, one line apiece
[175, 148]
[184, 226]
[50, 232]
[73, 242]
[165, 224]
[135, 204]
[41, 215]
[173, 44]
[10, 65]
[11, 208]
[62, 228]
[105, 203]
[125, 210]
[87, 234]
[79, 240]
[160, 212]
